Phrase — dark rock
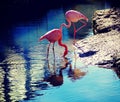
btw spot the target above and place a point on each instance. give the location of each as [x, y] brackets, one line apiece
[106, 20]
[105, 42]
[116, 60]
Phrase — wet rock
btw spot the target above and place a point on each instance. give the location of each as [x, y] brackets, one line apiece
[116, 61]
[105, 43]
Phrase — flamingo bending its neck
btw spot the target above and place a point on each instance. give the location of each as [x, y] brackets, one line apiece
[73, 16]
[52, 36]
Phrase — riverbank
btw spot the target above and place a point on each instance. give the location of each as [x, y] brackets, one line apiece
[103, 48]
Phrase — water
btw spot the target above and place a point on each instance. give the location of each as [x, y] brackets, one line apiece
[26, 75]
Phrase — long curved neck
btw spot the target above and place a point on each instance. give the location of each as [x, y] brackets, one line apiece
[66, 25]
[63, 45]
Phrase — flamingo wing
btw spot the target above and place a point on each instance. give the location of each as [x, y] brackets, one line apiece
[74, 16]
[52, 35]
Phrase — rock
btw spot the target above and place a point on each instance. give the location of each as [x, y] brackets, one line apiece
[101, 48]
[116, 60]
[106, 20]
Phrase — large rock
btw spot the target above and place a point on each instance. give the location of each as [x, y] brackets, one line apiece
[102, 48]
[106, 20]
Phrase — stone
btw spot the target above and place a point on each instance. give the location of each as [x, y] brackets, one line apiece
[101, 48]
[106, 20]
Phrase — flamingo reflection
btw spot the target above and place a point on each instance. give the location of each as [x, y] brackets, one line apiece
[53, 77]
[75, 73]
[56, 78]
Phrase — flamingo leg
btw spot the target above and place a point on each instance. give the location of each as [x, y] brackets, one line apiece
[54, 57]
[74, 33]
[48, 50]
[53, 51]
[48, 65]
[84, 24]
[74, 42]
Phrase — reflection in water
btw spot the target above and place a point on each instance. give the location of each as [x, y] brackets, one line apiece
[54, 75]
[14, 79]
[2, 86]
[25, 75]
[76, 73]
[54, 79]
[18, 71]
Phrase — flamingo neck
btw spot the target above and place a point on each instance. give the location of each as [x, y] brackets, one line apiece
[63, 45]
[66, 25]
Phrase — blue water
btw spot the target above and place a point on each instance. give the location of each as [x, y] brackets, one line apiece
[97, 85]
[26, 75]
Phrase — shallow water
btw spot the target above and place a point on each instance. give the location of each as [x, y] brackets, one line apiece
[26, 75]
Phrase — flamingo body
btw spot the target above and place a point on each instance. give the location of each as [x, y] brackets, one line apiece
[74, 16]
[52, 36]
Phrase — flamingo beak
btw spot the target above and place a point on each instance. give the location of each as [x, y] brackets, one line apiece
[87, 19]
[39, 40]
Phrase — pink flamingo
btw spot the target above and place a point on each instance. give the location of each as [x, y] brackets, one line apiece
[74, 16]
[52, 36]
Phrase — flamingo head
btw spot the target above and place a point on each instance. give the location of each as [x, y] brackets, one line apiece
[65, 53]
[84, 18]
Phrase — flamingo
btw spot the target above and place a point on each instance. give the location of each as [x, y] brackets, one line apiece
[73, 16]
[52, 36]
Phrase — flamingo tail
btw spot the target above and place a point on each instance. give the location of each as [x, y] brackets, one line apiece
[41, 38]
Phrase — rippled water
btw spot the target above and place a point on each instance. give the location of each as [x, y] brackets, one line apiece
[26, 75]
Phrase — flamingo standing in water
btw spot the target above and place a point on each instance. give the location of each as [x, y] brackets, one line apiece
[52, 36]
[73, 16]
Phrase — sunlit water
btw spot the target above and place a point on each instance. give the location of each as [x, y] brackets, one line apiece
[25, 74]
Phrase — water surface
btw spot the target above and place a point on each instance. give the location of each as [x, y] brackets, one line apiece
[26, 75]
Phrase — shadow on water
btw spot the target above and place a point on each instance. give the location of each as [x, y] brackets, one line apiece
[87, 54]
[117, 71]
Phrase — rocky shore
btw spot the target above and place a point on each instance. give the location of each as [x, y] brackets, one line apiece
[103, 48]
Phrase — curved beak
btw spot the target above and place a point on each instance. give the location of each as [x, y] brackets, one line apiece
[87, 19]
